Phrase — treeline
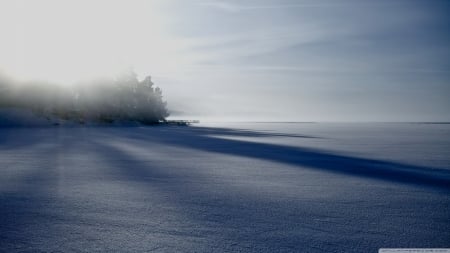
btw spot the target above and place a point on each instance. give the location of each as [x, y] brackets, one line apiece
[121, 99]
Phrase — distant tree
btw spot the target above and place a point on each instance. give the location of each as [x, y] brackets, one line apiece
[150, 107]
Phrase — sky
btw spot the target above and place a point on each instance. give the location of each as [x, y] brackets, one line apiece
[222, 60]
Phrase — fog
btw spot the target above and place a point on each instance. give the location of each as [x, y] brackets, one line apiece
[245, 61]
[122, 99]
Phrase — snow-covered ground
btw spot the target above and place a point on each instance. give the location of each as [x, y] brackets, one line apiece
[225, 188]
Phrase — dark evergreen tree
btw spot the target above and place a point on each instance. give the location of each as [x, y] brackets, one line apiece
[150, 107]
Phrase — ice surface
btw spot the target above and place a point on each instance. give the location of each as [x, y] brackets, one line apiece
[225, 188]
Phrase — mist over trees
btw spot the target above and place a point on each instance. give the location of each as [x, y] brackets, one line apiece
[119, 99]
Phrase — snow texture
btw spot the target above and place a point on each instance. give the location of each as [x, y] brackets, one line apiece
[225, 188]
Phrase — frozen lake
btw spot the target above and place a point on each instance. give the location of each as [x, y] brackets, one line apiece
[225, 187]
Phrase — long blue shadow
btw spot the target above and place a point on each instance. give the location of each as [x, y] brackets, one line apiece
[24, 206]
[201, 139]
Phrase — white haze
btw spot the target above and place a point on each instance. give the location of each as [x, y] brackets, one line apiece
[253, 60]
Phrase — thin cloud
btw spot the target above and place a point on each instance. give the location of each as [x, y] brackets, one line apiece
[236, 7]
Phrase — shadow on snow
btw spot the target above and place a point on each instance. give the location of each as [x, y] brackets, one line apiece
[201, 139]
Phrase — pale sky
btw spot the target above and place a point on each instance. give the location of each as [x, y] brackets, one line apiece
[246, 60]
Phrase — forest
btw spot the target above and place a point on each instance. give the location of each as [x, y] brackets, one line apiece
[108, 100]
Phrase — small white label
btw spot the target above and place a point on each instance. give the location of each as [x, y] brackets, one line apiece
[416, 250]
